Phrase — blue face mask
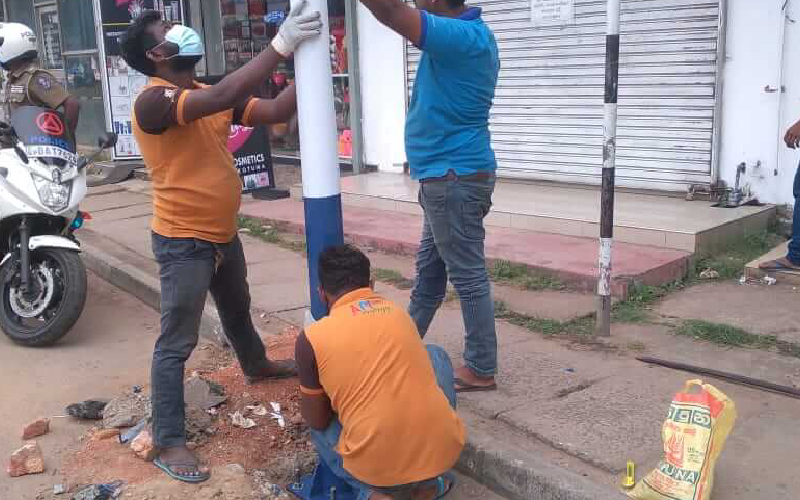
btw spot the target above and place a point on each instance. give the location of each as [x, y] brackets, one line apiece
[187, 40]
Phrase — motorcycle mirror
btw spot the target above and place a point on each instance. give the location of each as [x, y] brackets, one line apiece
[107, 140]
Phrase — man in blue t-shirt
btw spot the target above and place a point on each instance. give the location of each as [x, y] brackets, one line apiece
[449, 151]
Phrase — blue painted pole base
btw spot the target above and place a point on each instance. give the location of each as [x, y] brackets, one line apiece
[324, 229]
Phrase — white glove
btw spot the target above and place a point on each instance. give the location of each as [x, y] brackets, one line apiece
[296, 29]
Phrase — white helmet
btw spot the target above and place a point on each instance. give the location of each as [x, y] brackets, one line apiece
[17, 41]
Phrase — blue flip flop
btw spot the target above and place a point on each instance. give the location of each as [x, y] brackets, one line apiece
[444, 484]
[778, 266]
[201, 477]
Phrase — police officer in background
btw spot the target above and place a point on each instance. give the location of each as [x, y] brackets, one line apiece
[28, 85]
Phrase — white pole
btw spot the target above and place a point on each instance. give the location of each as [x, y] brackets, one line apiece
[319, 152]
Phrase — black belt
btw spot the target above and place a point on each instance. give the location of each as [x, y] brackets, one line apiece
[451, 176]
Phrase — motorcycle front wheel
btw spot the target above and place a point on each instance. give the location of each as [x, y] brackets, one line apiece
[55, 302]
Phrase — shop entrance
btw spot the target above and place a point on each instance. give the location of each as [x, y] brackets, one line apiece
[234, 31]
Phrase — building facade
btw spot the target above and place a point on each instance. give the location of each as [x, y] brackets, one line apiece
[79, 43]
[705, 85]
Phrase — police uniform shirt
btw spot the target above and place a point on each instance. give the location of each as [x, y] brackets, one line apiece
[30, 86]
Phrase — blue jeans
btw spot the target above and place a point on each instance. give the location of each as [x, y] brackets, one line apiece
[794, 245]
[452, 247]
[190, 269]
[326, 441]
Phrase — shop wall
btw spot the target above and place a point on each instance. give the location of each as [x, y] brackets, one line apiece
[20, 11]
[753, 119]
[383, 93]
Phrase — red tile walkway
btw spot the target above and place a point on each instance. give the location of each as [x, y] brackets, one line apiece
[571, 259]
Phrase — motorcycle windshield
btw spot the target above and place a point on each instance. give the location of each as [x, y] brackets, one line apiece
[45, 136]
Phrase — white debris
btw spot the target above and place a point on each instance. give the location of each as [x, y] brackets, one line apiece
[280, 419]
[743, 280]
[276, 414]
[769, 280]
[709, 274]
[257, 410]
[239, 420]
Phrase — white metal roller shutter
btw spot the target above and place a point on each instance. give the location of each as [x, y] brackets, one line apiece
[547, 117]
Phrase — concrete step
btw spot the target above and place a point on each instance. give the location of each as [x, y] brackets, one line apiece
[753, 272]
[570, 259]
[642, 219]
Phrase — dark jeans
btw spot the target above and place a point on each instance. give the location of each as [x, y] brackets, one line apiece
[326, 441]
[794, 245]
[452, 247]
[191, 268]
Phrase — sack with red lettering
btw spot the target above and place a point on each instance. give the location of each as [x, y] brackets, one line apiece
[694, 433]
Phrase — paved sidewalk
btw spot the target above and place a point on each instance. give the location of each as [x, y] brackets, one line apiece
[569, 412]
[571, 259]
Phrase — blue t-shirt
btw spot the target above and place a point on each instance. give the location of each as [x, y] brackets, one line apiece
[447, 127]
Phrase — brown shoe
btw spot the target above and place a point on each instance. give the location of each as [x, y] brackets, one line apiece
[273, 370]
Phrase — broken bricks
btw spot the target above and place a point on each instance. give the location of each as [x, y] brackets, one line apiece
[103, 434]
[26, 460]
[142, 445]
[38, 427]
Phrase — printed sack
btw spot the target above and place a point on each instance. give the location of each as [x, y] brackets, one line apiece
[694, 433]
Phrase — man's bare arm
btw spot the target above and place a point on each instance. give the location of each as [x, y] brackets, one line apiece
[316, 411]
[398, 16]
[227, 93]
[72, 112]
[247, 79]
[793, 136]
[278, 110]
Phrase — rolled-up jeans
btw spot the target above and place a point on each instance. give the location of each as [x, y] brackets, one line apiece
[189, 269]
[794, 245]
[327, 440]
[452, 246]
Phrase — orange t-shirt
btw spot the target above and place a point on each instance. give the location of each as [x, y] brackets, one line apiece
[196, 187]
[397, 425]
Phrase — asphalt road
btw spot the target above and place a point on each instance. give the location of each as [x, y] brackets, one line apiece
[107, 352]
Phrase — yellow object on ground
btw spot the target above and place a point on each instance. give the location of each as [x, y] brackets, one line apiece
[699, 421]
[629, 481]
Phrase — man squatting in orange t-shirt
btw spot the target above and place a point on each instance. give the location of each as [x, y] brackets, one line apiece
[182, 129]
[381, 405]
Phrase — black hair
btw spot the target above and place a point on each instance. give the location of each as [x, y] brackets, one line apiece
[456, 3]
[343, 269]
[137, 41]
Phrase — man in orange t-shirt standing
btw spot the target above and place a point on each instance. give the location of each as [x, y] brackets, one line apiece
[182, 129]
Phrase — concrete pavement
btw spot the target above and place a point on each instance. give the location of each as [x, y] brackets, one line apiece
[570, 411]
[107, 351]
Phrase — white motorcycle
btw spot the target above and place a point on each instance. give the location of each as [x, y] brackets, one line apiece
[42, 181]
